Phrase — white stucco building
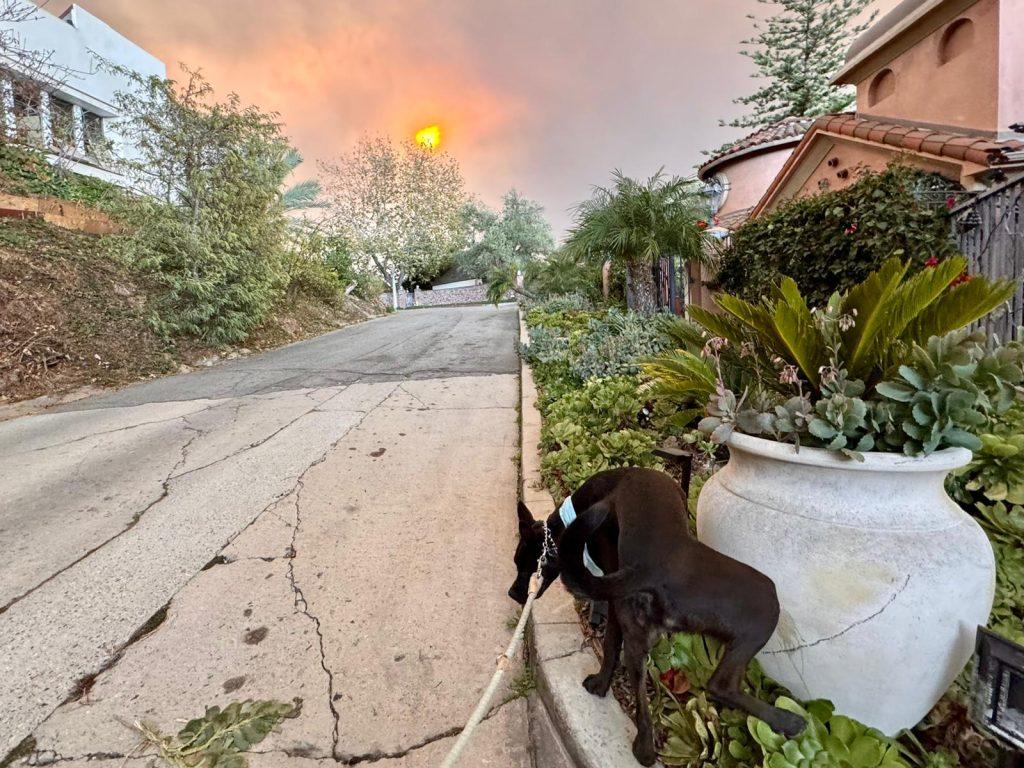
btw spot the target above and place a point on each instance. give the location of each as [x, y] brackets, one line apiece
[71, 114]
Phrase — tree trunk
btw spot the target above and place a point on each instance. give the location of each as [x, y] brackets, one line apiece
[641, 296]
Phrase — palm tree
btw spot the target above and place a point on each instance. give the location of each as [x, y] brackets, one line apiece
[637, 223]
[304, 194]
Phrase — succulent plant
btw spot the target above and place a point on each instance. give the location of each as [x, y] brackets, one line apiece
[949, 389]
[828, 741]
[841, 424]
[695, 735]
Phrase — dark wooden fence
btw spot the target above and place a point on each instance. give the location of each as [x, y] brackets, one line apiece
[990, 231]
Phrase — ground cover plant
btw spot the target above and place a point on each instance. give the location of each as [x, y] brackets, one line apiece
[585, 362]
[594, 422]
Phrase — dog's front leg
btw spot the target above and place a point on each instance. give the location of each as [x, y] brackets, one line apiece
[635, 649]
[599, 683]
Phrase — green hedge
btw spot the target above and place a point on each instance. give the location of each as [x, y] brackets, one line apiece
[833, 240]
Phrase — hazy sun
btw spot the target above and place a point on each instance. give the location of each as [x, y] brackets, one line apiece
[429, 137]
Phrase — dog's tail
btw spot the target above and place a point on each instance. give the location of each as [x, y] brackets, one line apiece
[575, 575]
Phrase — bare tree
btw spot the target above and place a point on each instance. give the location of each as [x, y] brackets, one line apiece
[29, 112]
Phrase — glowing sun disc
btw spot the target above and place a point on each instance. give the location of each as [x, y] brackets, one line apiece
[429, 137]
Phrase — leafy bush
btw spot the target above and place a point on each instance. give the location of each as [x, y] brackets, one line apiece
[25, 171]
[562, 303]
[214, 232]
[831, 241]
[563, 273]
[593, 428]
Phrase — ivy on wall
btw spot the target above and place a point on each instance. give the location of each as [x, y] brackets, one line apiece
[832, 240]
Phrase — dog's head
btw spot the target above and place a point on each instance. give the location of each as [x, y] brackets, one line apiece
[528, 552]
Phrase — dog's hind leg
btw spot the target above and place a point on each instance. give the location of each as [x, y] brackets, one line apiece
[599, 683]
[726, 686]
[632, 615]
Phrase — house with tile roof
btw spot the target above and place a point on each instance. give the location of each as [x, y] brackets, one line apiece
[938, 85]
[735, 178]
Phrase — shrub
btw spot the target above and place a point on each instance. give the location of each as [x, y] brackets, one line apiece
[593, 428]
[831, 241]
[214, 233]
[25, 171]
[612, 345]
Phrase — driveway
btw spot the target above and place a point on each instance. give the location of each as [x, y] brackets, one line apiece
[331, 521]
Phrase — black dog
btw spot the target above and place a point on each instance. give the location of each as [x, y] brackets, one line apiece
[659, 579]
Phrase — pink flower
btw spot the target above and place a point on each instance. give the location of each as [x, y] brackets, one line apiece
[789, 375]
[715, 345]
[932, 262]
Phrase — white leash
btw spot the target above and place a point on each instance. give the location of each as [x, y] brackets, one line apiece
[505, 660]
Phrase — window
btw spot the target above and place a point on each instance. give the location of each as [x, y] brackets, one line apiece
[62, 123]
[93, 128]
[956, 40]
[28, 123]
[883, 86]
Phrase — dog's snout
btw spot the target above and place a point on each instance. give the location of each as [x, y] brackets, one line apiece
[516, 594]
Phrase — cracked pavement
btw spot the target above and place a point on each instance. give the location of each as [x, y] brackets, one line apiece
[332, 520]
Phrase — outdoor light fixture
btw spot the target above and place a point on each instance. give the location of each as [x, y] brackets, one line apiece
[997, 690]
[971, 220]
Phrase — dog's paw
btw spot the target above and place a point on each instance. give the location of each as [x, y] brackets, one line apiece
[789, 724]
[643, 750]
[596, 684]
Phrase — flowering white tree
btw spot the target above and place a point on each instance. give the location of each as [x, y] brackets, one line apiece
[398, 207]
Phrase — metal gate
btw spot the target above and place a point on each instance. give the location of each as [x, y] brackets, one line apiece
[990, 231]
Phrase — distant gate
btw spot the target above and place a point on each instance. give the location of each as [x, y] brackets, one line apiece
[990, 231]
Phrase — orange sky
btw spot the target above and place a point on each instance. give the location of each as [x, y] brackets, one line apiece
[545, 95]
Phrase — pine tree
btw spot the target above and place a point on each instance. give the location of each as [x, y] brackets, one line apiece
[797, 51]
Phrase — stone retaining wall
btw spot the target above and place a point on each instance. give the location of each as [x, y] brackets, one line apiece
[442, 297]
[61, 213]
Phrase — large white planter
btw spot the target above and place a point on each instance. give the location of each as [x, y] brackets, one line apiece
[882, 578]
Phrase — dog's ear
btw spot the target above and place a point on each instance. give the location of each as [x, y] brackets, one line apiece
[525, 518]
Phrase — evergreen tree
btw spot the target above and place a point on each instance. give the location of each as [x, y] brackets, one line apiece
[797, 51]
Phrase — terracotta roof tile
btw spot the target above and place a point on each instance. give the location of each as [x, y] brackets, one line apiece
[956, 151]
[971, 148]
[789, 128]
[733, 219]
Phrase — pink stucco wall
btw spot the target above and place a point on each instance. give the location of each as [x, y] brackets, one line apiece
[749, 177]
[850, 158]
[1011, 63]
[963, 92]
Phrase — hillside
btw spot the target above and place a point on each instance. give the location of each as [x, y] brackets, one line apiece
[71, 315]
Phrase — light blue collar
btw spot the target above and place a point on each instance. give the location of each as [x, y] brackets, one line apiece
[568, 513]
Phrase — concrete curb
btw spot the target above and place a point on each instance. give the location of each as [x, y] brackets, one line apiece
[594, 732]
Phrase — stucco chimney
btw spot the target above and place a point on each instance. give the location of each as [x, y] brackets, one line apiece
[955, 64]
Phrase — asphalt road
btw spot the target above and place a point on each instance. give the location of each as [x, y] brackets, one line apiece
[332, 520]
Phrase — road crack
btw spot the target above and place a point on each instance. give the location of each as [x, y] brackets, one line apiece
[300, 601]
[448, 733]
